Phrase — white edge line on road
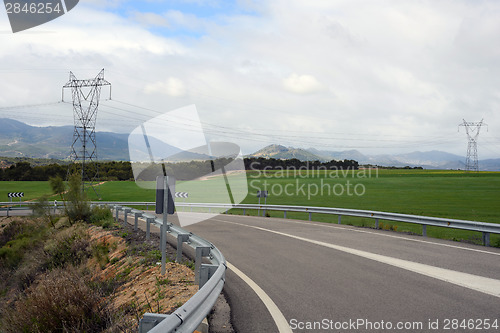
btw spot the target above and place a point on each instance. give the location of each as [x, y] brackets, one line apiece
[479, 283]
[273, 309]
[328, 225]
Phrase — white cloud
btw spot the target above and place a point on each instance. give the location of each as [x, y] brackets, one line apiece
[302, 84]
[170, 87]
[150, 19]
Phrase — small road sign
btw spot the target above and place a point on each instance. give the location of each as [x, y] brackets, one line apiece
[181, 194]
[262, 194]
[16, 195]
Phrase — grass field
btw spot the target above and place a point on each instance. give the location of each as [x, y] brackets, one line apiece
[438, 193]
[31, 190]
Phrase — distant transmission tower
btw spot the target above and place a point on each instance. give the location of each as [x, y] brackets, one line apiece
[86, 95]
[472, 130]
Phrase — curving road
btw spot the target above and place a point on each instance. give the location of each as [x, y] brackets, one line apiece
[317, 277]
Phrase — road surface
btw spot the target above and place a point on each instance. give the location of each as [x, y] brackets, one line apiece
[347, 279]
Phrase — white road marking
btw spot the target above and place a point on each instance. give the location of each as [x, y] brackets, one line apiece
[325, 225]
[275, 312]
[479, 283]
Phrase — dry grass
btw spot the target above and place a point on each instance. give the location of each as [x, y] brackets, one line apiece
[59, 301]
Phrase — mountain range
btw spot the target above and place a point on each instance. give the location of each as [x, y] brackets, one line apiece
[18, 139]
[429, 160]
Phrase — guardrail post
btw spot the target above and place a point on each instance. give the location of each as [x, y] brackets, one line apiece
[310, 216]
[150, 320]
[206, 272]
[136, 220]
[284, 214]
[181, 238]
[376, 223]
[117, 209]
[125, 213]
[424, 230]
[148, 226]
[201, 251]
[340, 219]
[486, 238]
[244, 212]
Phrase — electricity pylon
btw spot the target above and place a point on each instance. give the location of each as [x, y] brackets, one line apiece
[86, 95]
[472, 129]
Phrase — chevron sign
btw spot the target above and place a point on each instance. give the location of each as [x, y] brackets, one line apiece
[16, 195]
[181, 194]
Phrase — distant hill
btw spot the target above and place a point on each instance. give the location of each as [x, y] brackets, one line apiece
[21, 140]
[430, 160]
[54, 142]
[339, 155]
[282, 152]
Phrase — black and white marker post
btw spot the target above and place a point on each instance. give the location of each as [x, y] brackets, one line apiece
[14, 195]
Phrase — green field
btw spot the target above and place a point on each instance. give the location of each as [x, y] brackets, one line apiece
[31, 190]
[449, 194]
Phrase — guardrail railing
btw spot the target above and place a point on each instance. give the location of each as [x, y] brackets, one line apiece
[485, 228]
[210, 277]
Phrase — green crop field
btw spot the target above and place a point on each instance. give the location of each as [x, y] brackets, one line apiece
[438, 193]
[31, 190]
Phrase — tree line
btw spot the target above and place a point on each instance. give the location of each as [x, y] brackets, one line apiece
[261, 163]
[25, 171]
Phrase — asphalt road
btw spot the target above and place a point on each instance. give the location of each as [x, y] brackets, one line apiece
[16, 212]
[336, 275]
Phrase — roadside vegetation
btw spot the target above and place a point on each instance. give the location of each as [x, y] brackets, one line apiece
[81, 272]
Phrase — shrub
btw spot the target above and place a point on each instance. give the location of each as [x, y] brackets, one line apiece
[102, 217]
[19, 238]
[100, 251]
[70, 246]
[78, 206]
[60, 301]
[11, 231]
[43, 209]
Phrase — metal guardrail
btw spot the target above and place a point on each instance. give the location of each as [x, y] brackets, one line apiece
[483, 227]
[210, 277]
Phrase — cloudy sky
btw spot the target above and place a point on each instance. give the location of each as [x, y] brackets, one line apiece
[377, 76]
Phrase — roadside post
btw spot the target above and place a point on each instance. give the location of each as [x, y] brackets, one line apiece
[14, 195]
[164, 205]
[262, 194]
